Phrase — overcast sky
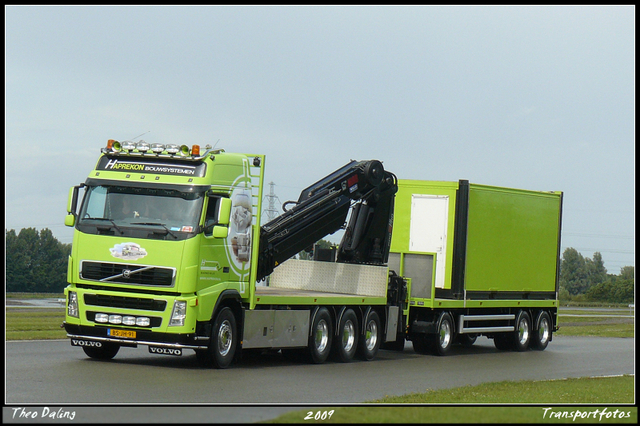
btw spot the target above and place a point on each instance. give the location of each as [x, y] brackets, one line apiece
[528, 97]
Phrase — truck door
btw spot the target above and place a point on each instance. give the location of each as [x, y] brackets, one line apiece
[428, 230]
[214, 263]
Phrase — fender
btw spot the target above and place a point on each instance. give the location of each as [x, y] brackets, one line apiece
[226, 295]
[312, 318]
[338, 319]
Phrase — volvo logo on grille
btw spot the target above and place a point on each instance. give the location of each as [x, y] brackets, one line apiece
[126, 273]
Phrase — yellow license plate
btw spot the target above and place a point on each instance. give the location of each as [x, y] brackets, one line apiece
[129, 334]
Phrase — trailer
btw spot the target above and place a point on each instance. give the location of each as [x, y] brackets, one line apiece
[169, 252]
[480, 260]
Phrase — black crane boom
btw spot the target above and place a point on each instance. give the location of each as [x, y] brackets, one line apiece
[322, 209]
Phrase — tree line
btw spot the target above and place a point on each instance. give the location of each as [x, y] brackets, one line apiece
[36, 262]
[586, 279]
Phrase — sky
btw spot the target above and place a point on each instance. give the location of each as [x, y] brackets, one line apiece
[532, 97]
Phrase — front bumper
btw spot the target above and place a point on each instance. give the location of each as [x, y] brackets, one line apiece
[143, 337]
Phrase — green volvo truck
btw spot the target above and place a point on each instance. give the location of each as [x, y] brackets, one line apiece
[169, 252]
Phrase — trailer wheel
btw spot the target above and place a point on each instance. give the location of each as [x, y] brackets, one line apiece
[371, 337]
[503, 341]
[467, 340]
[443, 341]
[542, 332]
[321, 336]
[106, 351]
[222, 344]
[522, 333]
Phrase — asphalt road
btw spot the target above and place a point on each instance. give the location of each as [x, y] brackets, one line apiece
[55, 374]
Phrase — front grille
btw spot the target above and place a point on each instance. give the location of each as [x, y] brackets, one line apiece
[125, 302]
[127, 274]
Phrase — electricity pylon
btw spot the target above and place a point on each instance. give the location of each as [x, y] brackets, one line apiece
[271, 213]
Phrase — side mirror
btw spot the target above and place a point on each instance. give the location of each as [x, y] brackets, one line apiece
[72, 204]
[224, 215]
[73, 196]
[220, 232]
[70, 220]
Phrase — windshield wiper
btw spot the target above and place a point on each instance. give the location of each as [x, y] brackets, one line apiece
[109, 220]
[156, 224]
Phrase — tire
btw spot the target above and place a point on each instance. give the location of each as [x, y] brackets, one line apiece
[467, 340]
[542, 332]
[522, 333]
[345, 344]
[371, 337]
[321, 336]
[422, 344]
[106, 351]
[503, 341]
[223, 341]
[294, 355]
[397, 345]
[443, 341]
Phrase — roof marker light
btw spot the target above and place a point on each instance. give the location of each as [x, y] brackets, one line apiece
[142, 146]
[172, 148]
[195, 150]
[184, 150]
[157, 148]
[128, 146]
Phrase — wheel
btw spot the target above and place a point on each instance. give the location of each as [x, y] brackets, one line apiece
[522, 333]
[444, 339]
[370, 339]
[467, 339]
[321, 336]
[294, 355]
[346, 343]
[397, 345]
[542, 332]
[106, 351]
[503, 341]
[222, 344]
[422, 344]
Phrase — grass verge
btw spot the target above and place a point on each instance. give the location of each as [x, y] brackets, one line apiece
[34, 323]
[607, 392]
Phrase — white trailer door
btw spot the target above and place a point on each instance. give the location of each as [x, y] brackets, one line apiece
[428, 229]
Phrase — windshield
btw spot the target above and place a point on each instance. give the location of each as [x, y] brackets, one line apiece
[127, 211]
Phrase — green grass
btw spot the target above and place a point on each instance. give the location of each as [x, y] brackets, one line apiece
[601, 326]
[609, 392]
[13, 295]
[462, 414]
[603, 390]
[34, 323]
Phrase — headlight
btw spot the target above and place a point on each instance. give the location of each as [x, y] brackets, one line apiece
[129, 320]
[72, 305]
[143, 322]
[179, 313]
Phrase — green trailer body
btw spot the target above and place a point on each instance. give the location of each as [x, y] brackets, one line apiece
[479, 254]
